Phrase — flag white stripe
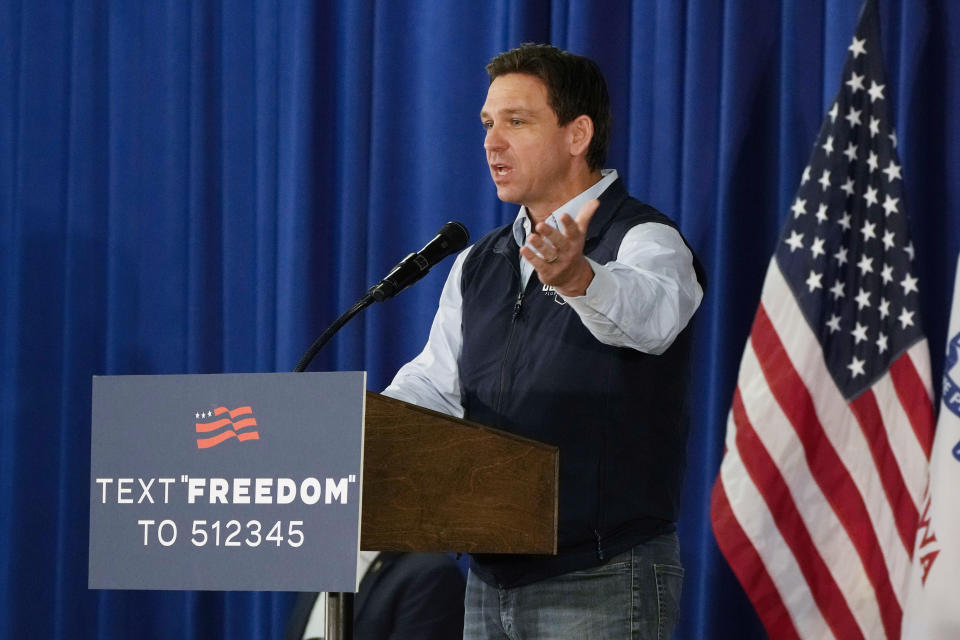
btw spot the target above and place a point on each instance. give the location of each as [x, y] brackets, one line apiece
[757, 523]
[839, 423]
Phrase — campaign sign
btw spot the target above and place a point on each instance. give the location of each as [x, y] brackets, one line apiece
[226, 482]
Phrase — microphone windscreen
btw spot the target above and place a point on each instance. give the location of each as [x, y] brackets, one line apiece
[457, 234]
[451, 238]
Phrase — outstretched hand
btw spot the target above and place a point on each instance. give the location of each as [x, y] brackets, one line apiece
[562, 264]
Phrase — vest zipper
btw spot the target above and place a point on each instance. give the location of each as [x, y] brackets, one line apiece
[506, 349]
[517, 306]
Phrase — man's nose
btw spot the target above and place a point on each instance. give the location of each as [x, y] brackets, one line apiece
[494, 140]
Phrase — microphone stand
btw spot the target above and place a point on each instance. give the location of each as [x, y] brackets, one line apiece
[453, 236]
[339, 606]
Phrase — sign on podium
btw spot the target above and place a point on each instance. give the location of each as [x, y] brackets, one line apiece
[226, 482]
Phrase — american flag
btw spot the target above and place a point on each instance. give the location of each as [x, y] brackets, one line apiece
[828, 439]
[240, 425]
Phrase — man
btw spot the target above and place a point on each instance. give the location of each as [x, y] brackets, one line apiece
[572, 332]
[402, 595]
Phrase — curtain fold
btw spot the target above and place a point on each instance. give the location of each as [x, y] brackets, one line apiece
[200, 187]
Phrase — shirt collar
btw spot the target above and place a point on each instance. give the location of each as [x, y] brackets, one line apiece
[521, 224]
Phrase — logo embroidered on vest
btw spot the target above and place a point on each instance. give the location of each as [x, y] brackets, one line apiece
[550, 289]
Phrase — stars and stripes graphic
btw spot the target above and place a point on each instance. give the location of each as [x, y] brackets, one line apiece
[221, 424]
[828, 439]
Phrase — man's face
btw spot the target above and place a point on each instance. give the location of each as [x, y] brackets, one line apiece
[527, 151]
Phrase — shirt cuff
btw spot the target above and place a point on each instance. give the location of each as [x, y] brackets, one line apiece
[602, 288]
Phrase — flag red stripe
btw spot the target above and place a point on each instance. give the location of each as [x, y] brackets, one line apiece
[749, 568]
[206, 443]
[205, 427]
[912, 393]
[248, 435]
[905, 514]
[771, 485]
[825, 464]
[246, 422]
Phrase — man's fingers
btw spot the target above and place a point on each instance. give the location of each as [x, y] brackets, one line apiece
[537, 260]
[547, 244]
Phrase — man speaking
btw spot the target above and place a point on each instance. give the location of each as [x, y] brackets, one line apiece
[572, 331]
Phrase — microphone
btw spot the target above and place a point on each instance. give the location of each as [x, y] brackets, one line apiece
[451, 238]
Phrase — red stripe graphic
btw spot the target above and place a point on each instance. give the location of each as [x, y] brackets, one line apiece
[825, 464]
[232, 425]
[239, 411]
[246, 422]
[211, 426]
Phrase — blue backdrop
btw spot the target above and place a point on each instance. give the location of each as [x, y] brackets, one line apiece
[192, 187]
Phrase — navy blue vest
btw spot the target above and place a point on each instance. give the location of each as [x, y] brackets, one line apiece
[530, 367]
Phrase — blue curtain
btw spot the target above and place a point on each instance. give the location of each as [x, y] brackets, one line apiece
[190, 187]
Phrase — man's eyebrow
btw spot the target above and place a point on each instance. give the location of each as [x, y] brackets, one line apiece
[509, 112]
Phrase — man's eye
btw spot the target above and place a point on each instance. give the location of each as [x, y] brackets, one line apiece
[516, 122]
[487, 125]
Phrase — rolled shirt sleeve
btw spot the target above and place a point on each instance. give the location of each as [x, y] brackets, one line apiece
[644, 298]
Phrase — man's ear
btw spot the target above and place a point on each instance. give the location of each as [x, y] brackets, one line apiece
[581, 133]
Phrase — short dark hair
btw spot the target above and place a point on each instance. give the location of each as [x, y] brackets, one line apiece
[575, 87]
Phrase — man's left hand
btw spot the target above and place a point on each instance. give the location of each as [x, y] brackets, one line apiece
[563, 264]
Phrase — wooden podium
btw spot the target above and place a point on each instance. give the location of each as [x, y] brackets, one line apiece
[436, 483]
